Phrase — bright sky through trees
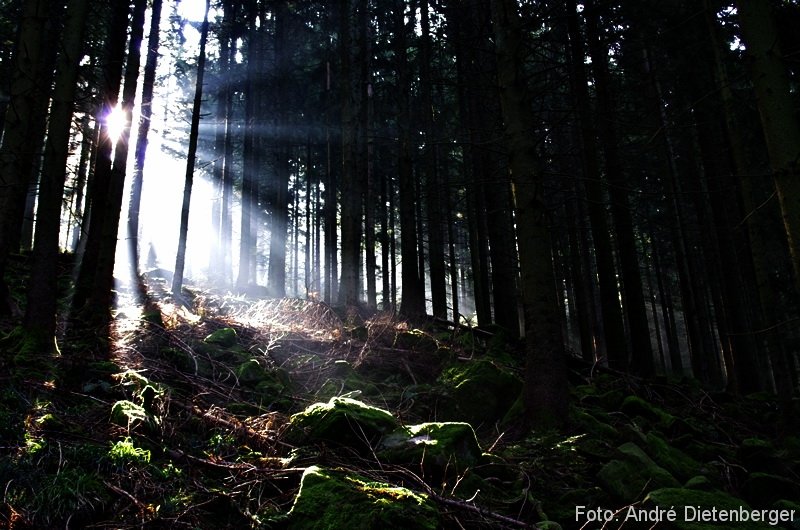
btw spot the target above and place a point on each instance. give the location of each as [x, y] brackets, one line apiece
[192, 9]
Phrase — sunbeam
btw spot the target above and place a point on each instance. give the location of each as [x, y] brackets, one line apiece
[116, 120]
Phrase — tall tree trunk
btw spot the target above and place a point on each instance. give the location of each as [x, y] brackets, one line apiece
[88, 133]
[250, 156]
[613, 327]
[99, 181]
[100, 299]
[223, 98]
[276, 276]
[776, 105]
[140, 151]
[180, 258]
[40, 312]
[351, 199]
[545, 390]
[767, 317]
[25, 91]
[632, 292]
[433, 208]
[413, 286]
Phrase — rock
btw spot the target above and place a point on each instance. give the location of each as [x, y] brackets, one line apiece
[343, 421]
[223, 337]
[250, 372]
[336, 499]
[440, 448]
[678, 463]
[628, 478]
[636, 406]
[483, 391]
[343, 381]
[595, 426]
[764, 489]
[760, 455]
[698, 483]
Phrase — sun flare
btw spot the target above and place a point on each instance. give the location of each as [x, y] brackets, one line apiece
[116, 120]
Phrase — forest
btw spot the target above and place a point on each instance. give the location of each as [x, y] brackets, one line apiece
[399, 264]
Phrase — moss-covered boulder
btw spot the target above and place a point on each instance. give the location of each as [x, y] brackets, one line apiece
[636, 406]
[702, 510]
[594, 426]
[483, 392]
[223, 337]
[330, 499]
[757, 454]
[630, 476]
[343, 380]
[342, 421]
[764, 489]
[678, 463]
[439, 448]
[699, 482]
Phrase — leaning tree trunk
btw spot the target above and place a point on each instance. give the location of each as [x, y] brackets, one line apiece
[180, 258]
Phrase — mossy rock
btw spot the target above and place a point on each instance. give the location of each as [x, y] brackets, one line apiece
[127, 413]
[690, 502]
[331, 499]
[636, 406]
[483, 392]
[415, 339]
[593, 425]
[345, 380]
[630, 476]
[765, 489]
[699, 483]
[223, 337]
[251, 372]
[678, 463]
[589, 395]
[441, 448]
[760, 455]
[343, 421]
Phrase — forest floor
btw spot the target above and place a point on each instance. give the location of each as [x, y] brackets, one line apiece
[213, 414]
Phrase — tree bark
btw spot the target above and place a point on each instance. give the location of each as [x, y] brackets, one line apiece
[545, 391]
[776, 106]
[140, 151]
[22, 101]
[40, 312]
[180, 258]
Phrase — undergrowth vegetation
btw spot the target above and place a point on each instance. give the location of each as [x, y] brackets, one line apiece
[233, 412]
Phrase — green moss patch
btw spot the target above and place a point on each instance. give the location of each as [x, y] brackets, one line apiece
[439, 448]
[330, 499]
[633, 474]
[483, 391]
[343, 421]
